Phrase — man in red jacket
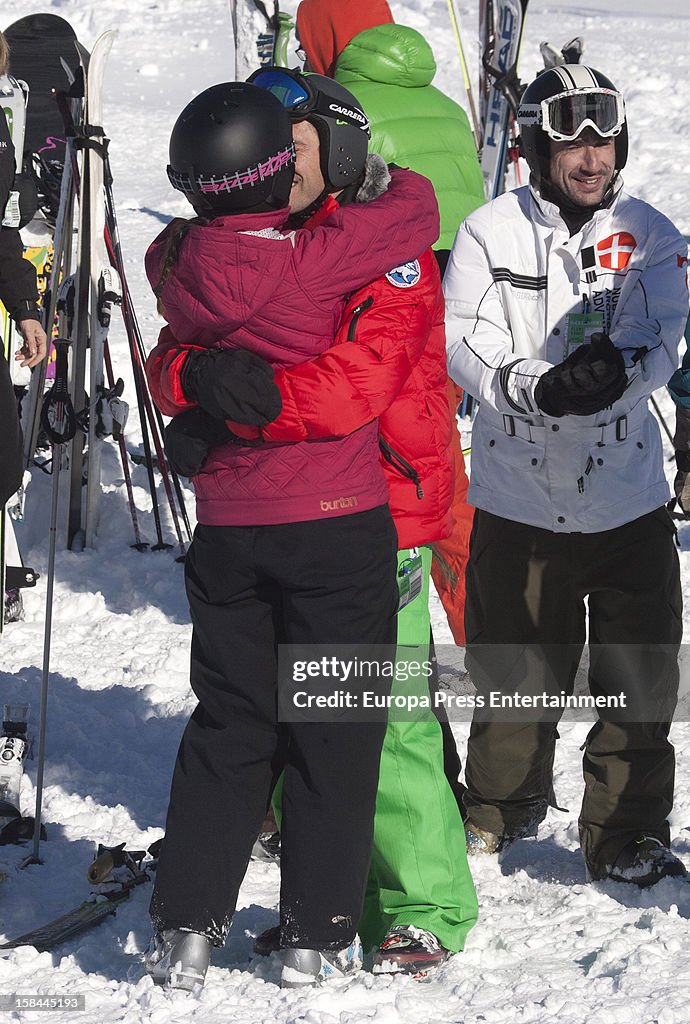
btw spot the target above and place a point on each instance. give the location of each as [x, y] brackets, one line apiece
[388, 362]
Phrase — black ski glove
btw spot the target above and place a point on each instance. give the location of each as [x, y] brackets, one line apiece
[681, 484]
[190, 436]
[590, 379]
[232, 384]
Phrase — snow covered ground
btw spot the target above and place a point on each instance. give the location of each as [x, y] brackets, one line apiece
[547, 946]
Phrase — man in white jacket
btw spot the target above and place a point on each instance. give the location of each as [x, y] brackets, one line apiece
[566, 302]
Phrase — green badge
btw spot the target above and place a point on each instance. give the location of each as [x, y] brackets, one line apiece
[410, 579]
[581, 327]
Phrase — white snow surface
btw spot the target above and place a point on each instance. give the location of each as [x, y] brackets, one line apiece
[548, 946]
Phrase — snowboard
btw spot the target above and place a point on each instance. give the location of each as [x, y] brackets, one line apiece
[13, 103]
[44, 55]
[38, 45]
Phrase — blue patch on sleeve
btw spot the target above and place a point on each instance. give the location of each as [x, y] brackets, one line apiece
[407, 275]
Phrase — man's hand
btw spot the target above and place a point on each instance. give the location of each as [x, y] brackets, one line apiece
[232, 384]
[35, 343]
[590, 379]
[189, 438]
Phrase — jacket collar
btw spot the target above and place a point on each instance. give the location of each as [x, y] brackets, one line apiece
[376, 181]
[250, 221]
[547, 213]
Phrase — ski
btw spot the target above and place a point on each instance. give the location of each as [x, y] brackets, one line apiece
[474, 118]
[569, 53]
[82, 514]
[113, 876]
[501, 28]
[262, 34]
[149, 416]
[104, 288]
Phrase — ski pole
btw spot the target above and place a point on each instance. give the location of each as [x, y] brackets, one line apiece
[661, 419]
[455, 21]
[114, 251]
[138, 358]
[60, 424]
[139, 544]
[114, 246]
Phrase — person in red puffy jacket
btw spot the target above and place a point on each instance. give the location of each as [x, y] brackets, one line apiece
[388, 362]
[295, 543]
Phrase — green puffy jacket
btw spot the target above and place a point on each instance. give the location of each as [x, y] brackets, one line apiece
[389, 69]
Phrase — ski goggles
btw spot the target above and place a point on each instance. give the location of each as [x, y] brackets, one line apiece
[301, 99]
[565, 116]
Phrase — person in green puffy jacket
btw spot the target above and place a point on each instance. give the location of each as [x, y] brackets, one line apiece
[390, 69]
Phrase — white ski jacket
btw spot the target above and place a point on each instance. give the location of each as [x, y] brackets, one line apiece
[516, 287]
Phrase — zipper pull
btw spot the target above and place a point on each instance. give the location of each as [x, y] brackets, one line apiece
[588, 469]
[356, 313]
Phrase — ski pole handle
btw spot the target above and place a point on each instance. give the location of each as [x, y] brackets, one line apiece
[57, 414]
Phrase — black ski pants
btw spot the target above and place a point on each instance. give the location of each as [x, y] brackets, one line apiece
[249, 589]
[525, 621]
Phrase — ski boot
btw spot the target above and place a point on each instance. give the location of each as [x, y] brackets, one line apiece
[178, 959]
[312, 966]
[409, 950]
[644, 861]
[480, 841]
[267, 847]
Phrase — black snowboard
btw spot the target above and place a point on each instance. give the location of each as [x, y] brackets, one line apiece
[37, 44]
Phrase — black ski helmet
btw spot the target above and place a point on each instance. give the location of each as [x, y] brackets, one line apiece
[343, 134]
[564, 79]
[231, 151]
[342, 125]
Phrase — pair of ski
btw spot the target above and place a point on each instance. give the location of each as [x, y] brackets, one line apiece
[262, 34]
[108, 287]
[501, 28]
[40, 38]
[501, 25]
[84, 287]
[114, 875]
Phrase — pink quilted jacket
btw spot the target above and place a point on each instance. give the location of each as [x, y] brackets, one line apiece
[239, 283]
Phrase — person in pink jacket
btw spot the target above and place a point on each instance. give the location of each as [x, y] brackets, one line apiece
[295, 542]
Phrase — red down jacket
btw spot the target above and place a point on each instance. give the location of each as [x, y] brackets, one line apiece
[285, 306]
[389, 361]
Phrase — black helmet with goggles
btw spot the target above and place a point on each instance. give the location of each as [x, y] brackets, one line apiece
[560, 104]
[342, 125]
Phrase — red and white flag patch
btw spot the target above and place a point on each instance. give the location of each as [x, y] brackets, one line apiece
[615, 251]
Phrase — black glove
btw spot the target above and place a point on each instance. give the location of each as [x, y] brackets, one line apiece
[232, 384]
[190, 436]
[590, 379]
[681, 484]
